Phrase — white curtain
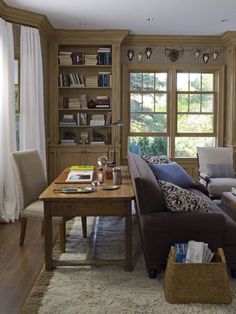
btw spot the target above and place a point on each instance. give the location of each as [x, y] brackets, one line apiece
[9, 210]
[32, 128]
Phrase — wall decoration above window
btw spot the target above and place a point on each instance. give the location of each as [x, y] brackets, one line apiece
[206, 55]
[174, 54]
[148, 52]
[130, 54]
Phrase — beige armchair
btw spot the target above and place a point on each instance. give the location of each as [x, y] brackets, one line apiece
[216, 171]
[31, 181]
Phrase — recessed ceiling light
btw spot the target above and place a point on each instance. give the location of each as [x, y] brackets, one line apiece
[225, 20]
[150, 19]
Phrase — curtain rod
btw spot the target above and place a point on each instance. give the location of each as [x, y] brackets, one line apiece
[23, 24]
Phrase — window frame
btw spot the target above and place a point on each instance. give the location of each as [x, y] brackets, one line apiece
[171, 134]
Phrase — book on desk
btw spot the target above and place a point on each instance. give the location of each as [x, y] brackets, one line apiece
[80, 174]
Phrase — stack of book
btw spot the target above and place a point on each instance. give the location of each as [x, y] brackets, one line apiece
[97, 120]
[67, 119]
[102, 102]
[90, 59]
[70, 103]
[65, 58]
[104, 56]
[92, 81]
[74, 103]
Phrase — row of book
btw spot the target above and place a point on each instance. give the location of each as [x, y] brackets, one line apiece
[84, 102]
[103, 57]
[83, 118]
[102, 79]
[71, 79]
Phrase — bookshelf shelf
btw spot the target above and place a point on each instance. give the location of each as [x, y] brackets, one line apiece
[98, 66]
[85, 126]
[82, 87]
[85, 109]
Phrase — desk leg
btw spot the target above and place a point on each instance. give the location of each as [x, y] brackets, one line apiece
[128, 239]
[48, 237]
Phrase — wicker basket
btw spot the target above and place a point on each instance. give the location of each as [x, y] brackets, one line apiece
[202, 282]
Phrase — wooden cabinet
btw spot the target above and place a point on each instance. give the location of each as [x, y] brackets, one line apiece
[84, 97]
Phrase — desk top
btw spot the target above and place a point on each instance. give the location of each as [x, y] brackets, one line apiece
[125, 191]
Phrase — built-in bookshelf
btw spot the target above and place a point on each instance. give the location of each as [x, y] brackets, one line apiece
[85, 97]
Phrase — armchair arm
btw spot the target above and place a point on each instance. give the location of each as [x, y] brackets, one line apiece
[184, 221]
[205, 177]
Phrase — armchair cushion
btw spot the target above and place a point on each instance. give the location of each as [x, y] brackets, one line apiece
[172, 172]
[220, 170]
[217, 186]
[181, 200]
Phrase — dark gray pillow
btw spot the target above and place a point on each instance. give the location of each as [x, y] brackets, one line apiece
[220, 170]
[181, 200]
[174, 173]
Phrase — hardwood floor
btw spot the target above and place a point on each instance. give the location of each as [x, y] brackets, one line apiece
[19, 266]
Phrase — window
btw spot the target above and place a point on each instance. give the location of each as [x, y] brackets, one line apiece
[148, 113]
[172, 111]
[17, 101]
[196, 118]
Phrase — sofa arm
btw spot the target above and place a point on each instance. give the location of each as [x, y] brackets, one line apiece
[184, 221]
[205, 177]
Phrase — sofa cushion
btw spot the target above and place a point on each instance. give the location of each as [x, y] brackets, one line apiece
[230, 224]
[220, 170]
[172, 172]
[181, 200]
[147, 190]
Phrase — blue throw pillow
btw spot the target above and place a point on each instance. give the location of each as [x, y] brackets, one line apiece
[172, 172]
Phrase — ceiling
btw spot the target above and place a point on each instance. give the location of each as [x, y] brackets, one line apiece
[168, 17]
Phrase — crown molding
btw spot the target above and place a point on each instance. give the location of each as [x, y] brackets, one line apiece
[229, 38]
[174, 40]
[27, 18]
[86, 37]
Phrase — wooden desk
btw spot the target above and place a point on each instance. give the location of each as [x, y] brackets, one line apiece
[99, 203]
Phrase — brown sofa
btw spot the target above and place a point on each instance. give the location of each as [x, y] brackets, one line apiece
[160, 229]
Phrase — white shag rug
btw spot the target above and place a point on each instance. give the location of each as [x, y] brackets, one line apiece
[85, 290]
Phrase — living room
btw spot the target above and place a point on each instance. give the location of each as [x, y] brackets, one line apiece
[164, 85]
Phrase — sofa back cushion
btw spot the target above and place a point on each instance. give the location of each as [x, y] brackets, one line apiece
[147, 191]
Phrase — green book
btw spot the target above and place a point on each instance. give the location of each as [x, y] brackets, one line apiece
[82, 168]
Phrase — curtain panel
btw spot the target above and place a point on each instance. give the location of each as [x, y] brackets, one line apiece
[32, 126]
[9, 206]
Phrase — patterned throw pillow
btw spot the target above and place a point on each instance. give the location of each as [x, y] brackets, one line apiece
[162, 159]
[181, 200]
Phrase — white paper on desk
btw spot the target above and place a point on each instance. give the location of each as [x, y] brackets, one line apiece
[80, 176]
